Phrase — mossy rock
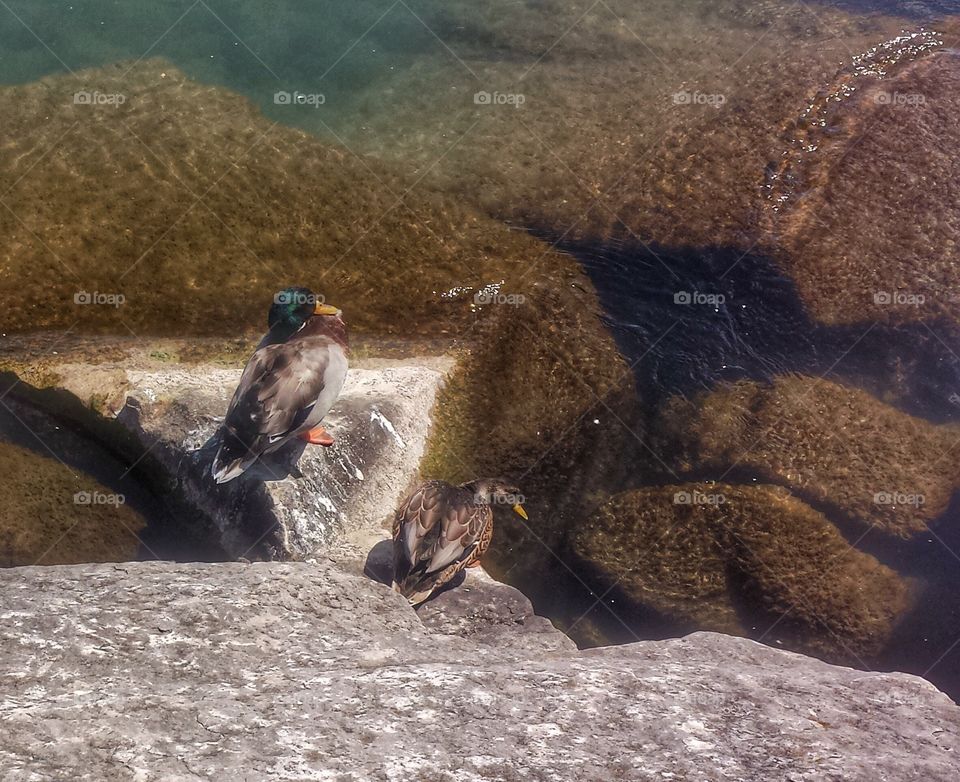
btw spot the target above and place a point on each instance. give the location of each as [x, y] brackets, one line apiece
[576, 160]
[876, 233]
[183, 210]
[735, 558]
[44, 519]
[836, 446]
[543, 397]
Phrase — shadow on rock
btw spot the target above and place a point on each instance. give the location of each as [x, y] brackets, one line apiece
[59, 428]
[379, 567]
[689, 318]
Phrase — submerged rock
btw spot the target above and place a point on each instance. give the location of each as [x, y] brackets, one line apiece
[719, 556]
[612, 140]
[876, 233]
[297, 671]
[181, 209]
[52, 514]
[556, 413]
[834, 445]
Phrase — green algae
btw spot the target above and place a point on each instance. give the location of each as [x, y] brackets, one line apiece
[557, 415]
[182, 210]
[756, 557]
[53, 515]
[834, 445]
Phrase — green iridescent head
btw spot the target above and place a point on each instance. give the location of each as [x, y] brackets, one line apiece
[294, 306]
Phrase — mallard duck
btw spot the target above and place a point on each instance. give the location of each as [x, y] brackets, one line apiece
[288, 385]
[440, 529]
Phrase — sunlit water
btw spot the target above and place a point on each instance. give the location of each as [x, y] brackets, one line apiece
[577, 97]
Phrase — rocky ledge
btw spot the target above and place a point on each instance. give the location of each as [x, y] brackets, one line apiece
[302, 499]
[302, 671]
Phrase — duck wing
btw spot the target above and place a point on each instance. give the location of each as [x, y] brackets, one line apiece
[435, 532]
[275, 400]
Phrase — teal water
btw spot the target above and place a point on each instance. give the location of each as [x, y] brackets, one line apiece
[376, 61]
[334, 48]
[349, 52]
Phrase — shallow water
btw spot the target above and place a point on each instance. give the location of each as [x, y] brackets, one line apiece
[673, 149]
[751, 325]
[738, 316]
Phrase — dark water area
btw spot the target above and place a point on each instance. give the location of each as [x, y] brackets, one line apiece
[689, 319]
[258, 51]
[923, 10]
[173, 530]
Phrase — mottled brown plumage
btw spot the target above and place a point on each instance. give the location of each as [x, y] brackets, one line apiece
[440, 529]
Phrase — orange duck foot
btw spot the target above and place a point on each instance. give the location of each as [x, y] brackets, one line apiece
[318, 436]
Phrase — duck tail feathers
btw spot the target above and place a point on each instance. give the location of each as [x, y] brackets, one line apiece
[414, 596]
[227, 466]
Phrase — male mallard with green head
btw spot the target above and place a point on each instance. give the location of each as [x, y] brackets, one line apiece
[440, 529]
[288, 385]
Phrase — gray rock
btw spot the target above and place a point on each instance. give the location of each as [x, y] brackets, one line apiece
[306, 498]
[485, 611]
[477, 607]
[300, 671]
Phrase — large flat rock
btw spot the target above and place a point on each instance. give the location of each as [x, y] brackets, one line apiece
[301, 671]
[303, 499]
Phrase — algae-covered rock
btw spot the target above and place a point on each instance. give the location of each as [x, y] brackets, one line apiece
[543, 397]
[838, 163]
[181, 209]
[722, 556]
[612, 137]
[831, 444]
[54, 515]
[876, 235]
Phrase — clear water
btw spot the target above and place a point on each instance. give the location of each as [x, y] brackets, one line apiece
[293, 45]
[591, 151]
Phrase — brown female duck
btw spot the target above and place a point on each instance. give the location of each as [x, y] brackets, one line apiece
[440, 529]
